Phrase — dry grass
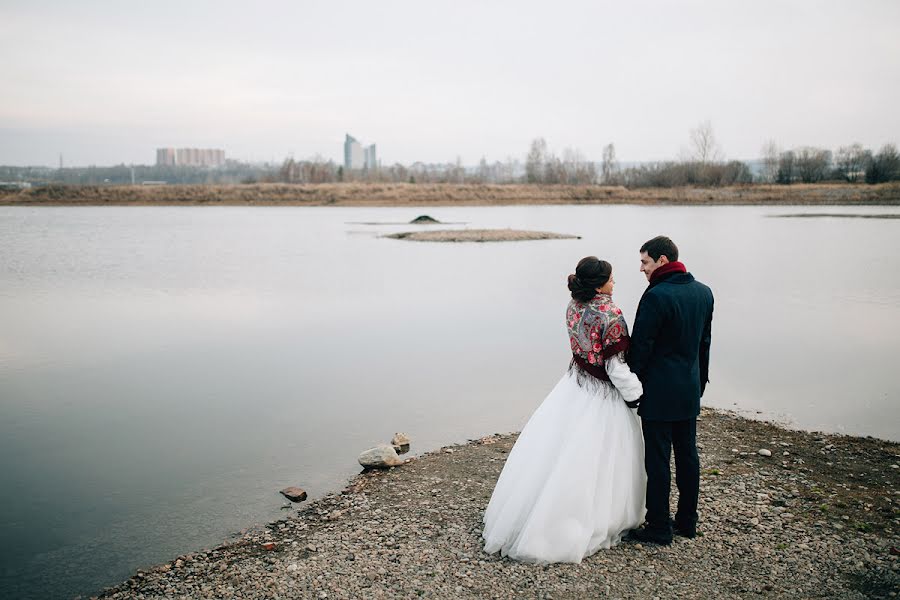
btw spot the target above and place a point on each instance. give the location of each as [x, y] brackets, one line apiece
[405, 194]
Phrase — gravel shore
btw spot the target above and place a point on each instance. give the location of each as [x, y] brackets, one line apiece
[812, 516]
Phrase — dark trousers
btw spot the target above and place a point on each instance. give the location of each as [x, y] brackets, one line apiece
[660, 437]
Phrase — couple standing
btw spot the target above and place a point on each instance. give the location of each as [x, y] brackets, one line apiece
[585, 465]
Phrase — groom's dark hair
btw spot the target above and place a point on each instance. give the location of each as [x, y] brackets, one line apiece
[659, 246]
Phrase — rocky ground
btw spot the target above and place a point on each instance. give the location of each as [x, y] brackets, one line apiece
[478, 235]
[811, 516]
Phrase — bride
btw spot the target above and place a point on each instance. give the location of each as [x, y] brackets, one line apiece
[574, 482]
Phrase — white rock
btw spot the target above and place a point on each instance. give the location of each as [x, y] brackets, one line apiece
[400, 439]
[381, 456]
[764, 452]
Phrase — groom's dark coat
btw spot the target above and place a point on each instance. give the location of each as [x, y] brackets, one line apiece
[670, 346]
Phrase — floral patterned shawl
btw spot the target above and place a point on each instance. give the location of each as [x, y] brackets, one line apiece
[597, 332]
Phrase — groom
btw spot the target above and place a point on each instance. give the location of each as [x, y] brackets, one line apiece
[670, 355]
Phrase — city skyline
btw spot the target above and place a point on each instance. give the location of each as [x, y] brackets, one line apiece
[91, 81]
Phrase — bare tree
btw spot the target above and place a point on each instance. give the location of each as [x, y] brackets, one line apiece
[704, 145]
[850, 162]
[484, 171]
[812, 164]
[509, 171]
[578, 170]
[786, 168]
[770, 154]
[554, 170]
[315, 170]
[458, 174]
[675, 174]
[398, 172]
[290, 171]
[534, 163]
[884, 166]
[732, 173]
[609, 169]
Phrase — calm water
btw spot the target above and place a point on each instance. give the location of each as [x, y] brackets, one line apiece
[164, 371]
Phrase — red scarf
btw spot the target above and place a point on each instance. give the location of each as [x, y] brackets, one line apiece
[670, 267]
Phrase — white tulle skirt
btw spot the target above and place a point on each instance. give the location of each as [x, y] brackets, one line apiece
[574, 482]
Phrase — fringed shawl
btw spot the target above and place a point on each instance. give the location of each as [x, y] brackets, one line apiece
[597, 332]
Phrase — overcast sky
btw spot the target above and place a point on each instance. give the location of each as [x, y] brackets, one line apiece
[106, 82]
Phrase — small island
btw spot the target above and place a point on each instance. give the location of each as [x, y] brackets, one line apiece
[480, 235]
[424, 220]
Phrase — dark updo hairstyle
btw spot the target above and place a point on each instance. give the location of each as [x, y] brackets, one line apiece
[590, 274]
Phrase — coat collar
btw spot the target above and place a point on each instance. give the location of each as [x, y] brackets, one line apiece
[668, 268]
[676, 277]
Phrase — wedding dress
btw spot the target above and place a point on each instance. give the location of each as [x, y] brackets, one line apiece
[574, 481]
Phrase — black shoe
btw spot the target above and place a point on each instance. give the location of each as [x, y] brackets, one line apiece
[684, 529]
[651, 535]
[689, 532]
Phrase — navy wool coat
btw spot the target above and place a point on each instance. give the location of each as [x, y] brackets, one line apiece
[670, 346]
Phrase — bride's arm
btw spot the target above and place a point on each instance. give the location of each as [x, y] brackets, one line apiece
[621, 376]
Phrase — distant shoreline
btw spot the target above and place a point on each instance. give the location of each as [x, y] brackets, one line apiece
[408, 194]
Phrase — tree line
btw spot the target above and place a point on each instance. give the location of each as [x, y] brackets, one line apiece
[701, 164]
[319, 170]
[852, 163]
[233, 172]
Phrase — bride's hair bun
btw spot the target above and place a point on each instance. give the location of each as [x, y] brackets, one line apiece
[590, 274]
[574, 283]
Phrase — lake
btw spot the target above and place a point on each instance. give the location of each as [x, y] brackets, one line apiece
[164, 371]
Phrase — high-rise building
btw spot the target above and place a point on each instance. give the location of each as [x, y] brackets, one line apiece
[190, 157]
[371, 160]
[353, 153]
[165, 157]
[358, 157]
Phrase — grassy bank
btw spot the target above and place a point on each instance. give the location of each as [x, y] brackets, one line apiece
[814, 517]
[352, 194]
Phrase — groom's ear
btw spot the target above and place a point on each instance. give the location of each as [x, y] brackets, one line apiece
[663, 259]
